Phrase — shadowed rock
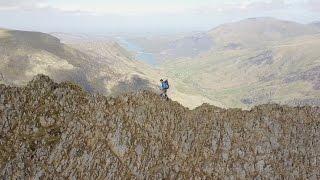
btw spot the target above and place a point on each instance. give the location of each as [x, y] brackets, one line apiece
[133, 85]
[311, 75]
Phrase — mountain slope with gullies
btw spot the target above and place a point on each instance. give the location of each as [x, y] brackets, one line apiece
[242, 64]
[102, 69]
[254, 61]
[287, 73]
[50, 130]
[98, 65]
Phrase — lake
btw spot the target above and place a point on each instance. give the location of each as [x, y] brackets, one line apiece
[139, 52]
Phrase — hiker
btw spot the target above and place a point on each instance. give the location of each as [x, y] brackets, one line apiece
[164, 87]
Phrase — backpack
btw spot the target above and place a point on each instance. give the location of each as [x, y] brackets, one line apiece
[166, 84]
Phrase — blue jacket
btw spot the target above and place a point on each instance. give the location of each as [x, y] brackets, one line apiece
[164, 85]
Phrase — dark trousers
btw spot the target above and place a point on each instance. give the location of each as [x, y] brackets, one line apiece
[164, 93]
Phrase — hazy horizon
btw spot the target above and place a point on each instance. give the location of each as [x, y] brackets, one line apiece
[142, 16]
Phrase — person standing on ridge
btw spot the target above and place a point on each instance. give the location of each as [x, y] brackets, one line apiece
[164, 88]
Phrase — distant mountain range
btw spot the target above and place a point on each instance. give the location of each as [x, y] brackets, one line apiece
[248, 33]
[241, 64]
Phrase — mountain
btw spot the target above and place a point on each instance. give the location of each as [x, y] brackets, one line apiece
[287, 73]
[269, 61]
[257, 32]
[248, 33]
[53, 131]
[101, 67]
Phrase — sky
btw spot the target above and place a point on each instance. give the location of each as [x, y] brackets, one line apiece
[146, 16]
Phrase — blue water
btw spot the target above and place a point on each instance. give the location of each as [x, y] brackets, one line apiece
[139, 52]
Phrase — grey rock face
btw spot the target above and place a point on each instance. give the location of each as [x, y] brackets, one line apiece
[57, 131]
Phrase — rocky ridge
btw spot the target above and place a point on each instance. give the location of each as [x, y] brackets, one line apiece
[50, 130]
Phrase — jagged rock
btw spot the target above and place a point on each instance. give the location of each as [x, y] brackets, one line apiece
[57, 131]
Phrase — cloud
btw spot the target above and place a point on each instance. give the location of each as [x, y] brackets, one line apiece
[243, 6]
[21, 4]
[314, 5]
[37, 7]
[145, 15]
[169, 7]
[165, 7]
[128, 8]
[269, 5]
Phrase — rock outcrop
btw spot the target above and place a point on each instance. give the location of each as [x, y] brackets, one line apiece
[50, 130]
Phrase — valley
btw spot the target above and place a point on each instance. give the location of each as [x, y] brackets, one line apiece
[228, 66]
[250, 62]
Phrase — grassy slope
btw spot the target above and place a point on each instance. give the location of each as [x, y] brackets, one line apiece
[233, 75]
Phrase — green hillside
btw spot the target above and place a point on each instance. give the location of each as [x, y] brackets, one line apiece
[282, 70]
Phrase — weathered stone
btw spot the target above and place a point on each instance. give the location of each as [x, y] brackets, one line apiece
[57, 131]
[46, 122]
